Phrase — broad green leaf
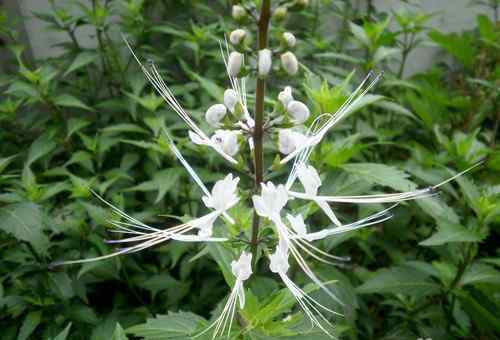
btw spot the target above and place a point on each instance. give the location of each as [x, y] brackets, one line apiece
[381, 174]
[171, 326]
[75, 125]
[5, 161]
[396, 108]
[31, 321]
[399, 280]
[40, 147]
[451, 232]
[438, 209]
[223, 257]
[366, 100]
[68, 100]
[24, 222]
[461, 47]
[82, 59]
[480, 273]
[384, 52]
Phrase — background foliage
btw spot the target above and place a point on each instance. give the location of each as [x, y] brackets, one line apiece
[86, 118]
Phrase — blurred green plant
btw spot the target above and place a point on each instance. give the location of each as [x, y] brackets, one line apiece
[85, 118]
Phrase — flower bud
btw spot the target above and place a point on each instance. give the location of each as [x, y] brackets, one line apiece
[238, 12]
[285, 96]
[298, 111]
[302, 3]
[214, 114]
[289, 39]
[230, 99]
[288, 140]
[227, 140]
[234, 63]
[280, 13]
[237, 36]
[265, 62]
[289, 63]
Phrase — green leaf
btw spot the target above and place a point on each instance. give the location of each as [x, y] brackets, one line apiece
[384, 52]
[396, 108]
[64, 334]
[124, 127]
[450, 233]
[480, 273]
[399, 280]
[40, 147]
[67, 100]
[461, 47]
[223, 257]
[162, 182]
[171, 326]
[366, 100]
[75, 125]
[119, 333]
[483, 317]
[5, 161]
[381, 174]
[31, 321]
[24, 222]
[82, 59]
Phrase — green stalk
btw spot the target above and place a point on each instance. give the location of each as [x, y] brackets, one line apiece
[263, 27]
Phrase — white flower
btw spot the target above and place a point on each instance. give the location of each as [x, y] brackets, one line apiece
[237, 36]
[242, 268]
[297, 223]
[234, 63]
[215, 114]
[227, 140]
[271, 200]
[298, 110]
[279, 261]
[265, 62]
[238, 12]
[224, 194]
[309, 178]
[289, 63]
[289, 39]
[285, 96]
[288, 140]
[230, 99]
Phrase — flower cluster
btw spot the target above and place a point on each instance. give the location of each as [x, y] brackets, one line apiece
[232, 122]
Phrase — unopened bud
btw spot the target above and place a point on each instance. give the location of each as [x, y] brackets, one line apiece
[289, 39]
[234, 63]
[298, 111]
[237, 36]
[227, 140]
[280, 13]
[302, 3]
[289, 63]
[285, 96]
[238, 12]
[265, 62]
[214, 114]
[230, 99]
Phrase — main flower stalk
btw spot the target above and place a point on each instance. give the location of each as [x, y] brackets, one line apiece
[263, 28]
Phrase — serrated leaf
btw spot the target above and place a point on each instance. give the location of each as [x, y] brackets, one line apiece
[24, 222]
[68, 100]
[381, 174]
[450, 233]
[82, 59]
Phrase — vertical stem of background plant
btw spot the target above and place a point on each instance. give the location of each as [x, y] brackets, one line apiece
[262, 27]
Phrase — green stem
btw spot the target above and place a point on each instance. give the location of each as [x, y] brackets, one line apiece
[263, 27]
